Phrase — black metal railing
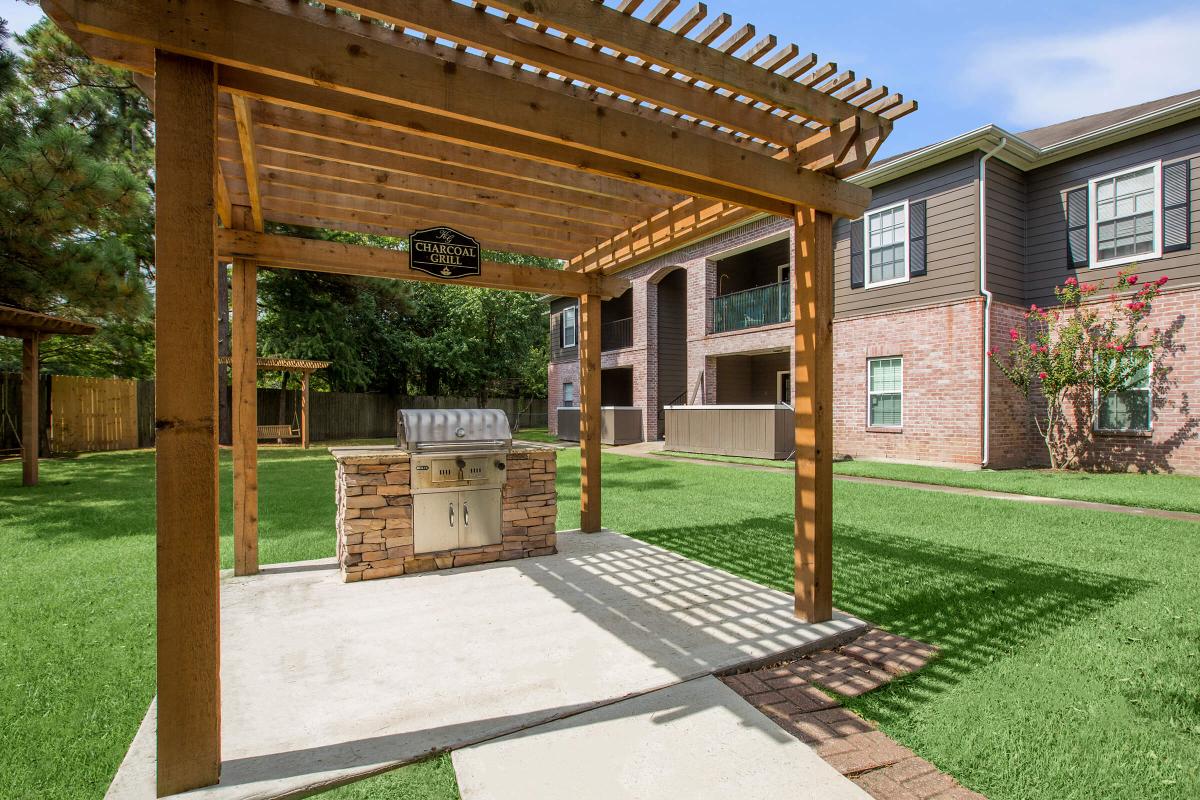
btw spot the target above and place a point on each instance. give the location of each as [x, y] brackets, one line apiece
[617, 334]
[752, 308]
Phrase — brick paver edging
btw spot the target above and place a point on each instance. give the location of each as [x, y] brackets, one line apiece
[788, 693]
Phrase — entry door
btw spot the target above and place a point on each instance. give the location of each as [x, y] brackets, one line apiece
[480, 523]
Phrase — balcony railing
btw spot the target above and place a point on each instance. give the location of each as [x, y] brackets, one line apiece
[752, 308]
[616, 335]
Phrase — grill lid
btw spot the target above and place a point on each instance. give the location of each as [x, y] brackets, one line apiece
[451, 428]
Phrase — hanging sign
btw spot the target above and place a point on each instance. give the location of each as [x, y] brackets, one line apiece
[443, 252]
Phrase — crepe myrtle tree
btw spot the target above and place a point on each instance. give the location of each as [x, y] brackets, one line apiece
[1079, 352]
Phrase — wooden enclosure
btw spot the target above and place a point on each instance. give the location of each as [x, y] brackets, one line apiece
[598, 134]
[726, 430]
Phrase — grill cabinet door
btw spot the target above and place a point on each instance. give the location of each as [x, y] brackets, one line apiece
[435, 521]
[480, 518]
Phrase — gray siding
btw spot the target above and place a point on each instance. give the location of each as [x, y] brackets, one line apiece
[1046, 240]
[950, 193]
[557, 352]
[672, 338]
[1006, 232]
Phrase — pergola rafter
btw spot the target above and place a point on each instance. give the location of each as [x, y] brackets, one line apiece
[598, 134]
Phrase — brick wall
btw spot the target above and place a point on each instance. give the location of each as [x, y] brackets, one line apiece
[1014, 439]
[1174, 442]
[942, 397]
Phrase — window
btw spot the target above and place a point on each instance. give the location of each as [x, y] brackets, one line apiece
[885, 392]
[1125, 216]
[886, 245]
[783, 387]
[568, 326]
[568, 394]
[1129, 409]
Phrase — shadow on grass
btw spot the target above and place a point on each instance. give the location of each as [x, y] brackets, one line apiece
[978, 607]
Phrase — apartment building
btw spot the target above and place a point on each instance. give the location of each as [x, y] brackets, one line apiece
[961, 237]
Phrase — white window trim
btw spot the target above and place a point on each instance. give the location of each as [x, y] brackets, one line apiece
[779, 273]
[779, 376]
[1094, 261]
[574, 312]
[1149, 391]
[568, 402]
[870, 393]
[867, 246]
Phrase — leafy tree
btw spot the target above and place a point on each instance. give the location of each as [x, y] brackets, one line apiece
[75, 210]
[1082, 350]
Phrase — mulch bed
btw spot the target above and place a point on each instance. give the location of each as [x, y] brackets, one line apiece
[788, 693]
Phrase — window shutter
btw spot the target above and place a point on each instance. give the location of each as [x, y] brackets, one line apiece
[857, 274]
[916, 238]
[1177, 206]
[1077, 228]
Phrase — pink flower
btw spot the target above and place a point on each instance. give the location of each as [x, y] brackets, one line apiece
[1012, 334]
[1072, 281]
[1137, 305]
[991, 351]
[1120, 348]
[1131, 280]
[1161, 280]
[1034, 348]
[1042, 375]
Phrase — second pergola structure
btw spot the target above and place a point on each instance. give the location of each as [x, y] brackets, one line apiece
[599, 134]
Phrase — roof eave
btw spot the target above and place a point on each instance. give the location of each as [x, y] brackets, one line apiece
[1021, 153]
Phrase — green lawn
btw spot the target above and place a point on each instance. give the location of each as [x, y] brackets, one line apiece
[535, 435]
[1165, 491]
[1070, 638]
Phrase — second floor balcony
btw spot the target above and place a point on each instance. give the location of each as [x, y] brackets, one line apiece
[752, 308]
[616, 335]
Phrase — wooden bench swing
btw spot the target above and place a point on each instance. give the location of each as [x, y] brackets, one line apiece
[299, 429]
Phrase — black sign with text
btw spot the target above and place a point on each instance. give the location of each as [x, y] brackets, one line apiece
[443, 252]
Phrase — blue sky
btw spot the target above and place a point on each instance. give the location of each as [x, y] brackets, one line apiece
[1016, 63]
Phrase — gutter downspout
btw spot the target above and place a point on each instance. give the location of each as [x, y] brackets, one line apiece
[987, 300]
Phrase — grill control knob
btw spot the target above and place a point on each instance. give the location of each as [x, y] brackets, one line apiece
[499, 465]
[458, 462]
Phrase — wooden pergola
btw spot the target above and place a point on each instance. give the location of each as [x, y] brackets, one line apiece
[31, 327]
[598, 134]
[306, 367]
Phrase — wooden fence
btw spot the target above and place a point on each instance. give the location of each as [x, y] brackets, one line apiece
[91, 414]
[88, 414]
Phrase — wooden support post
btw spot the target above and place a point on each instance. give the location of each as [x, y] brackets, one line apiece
[30, 405]
[185, 400]
[589, 413]
[304, 376]
[245, 409]
[812, 398]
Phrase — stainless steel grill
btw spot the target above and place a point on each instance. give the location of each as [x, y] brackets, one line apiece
[458, 462]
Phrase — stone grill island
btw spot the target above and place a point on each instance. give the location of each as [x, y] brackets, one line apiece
[479, 511]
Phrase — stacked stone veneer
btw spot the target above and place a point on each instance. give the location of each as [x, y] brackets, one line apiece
[375, 515]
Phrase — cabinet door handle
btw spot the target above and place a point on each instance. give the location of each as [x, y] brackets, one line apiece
[451, 507]
[466, 516]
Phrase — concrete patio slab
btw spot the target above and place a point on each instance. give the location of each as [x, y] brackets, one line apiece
[698, 740]
[323, 682]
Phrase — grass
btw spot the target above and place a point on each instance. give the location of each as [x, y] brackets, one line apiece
[1165, 491]
[1069, 638]
[535, 435]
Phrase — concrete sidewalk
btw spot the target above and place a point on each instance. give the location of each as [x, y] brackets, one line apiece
[697, 740]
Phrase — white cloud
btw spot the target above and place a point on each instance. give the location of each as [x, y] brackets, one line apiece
[1047, 79]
